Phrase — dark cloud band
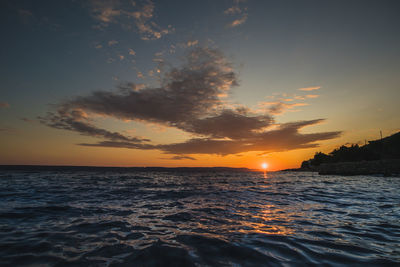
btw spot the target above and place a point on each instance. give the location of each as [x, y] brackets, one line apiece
[187, 99]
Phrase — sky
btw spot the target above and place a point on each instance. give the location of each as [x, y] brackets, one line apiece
[230, 83]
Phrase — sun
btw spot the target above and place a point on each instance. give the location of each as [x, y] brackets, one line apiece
[264, 165]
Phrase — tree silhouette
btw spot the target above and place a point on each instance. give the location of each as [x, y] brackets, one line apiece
[386, 148]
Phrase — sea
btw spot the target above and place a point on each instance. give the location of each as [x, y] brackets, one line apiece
[197, 218]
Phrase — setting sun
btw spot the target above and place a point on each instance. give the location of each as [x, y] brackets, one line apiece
[264, 166]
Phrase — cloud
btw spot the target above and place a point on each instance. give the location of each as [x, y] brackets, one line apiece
[229, 123]
[284, 103]
[112, 42]
[187, 98]
[312, 96]
[126, 87]
[129, 14]
[132, 52]
[192, 43]
[75, 119]
[180, 158]
[279, 107]
[140, 75]
[304, 97]
[233, 10]
[185, 93]
[4, 105]
[287, 137]
[310, 88]
[239, 12]
[105, 11]
[239, 21]
[147, 28]
[120, 144]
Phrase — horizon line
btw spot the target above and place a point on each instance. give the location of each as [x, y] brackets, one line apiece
[126, 167]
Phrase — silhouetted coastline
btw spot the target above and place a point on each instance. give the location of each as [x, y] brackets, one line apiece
[377, 157]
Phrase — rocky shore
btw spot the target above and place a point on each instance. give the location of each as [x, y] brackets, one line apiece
[380, 157]
[389, 167]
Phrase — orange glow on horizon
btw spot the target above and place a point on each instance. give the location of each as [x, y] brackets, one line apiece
[18, 150]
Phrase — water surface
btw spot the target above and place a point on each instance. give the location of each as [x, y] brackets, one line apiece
[101, 218]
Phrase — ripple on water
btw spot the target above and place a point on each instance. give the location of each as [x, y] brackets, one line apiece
[195, 219]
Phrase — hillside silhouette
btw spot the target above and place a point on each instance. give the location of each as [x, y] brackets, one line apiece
[382, 149]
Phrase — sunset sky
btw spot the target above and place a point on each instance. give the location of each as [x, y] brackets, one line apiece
[195, 83]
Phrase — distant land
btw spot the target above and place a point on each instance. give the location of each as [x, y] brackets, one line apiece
[37, 168]
[380, 156]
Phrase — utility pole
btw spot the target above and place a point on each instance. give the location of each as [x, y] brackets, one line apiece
[381, 134]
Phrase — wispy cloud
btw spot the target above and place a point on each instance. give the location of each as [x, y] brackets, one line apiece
[239, 21]
[4, 105]
[180, 157]
[187, 99]
[77, 120]
[105, 11]
[281, 103]
[312, 88]
[140, 75]
[120, 144]
[192, 43]
[233, 10]
[279, 107]
[112, 42]
[312, 96]
[131, 52]
[148, 28]
[239, 12]
[129, 15]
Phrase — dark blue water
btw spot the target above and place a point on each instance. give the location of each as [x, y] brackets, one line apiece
[204, 219]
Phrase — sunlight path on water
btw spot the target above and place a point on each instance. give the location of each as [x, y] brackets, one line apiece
[203, 218]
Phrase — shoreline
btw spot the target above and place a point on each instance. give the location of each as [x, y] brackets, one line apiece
[387, 167]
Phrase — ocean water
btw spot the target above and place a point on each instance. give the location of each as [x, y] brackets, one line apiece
[111, 218]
